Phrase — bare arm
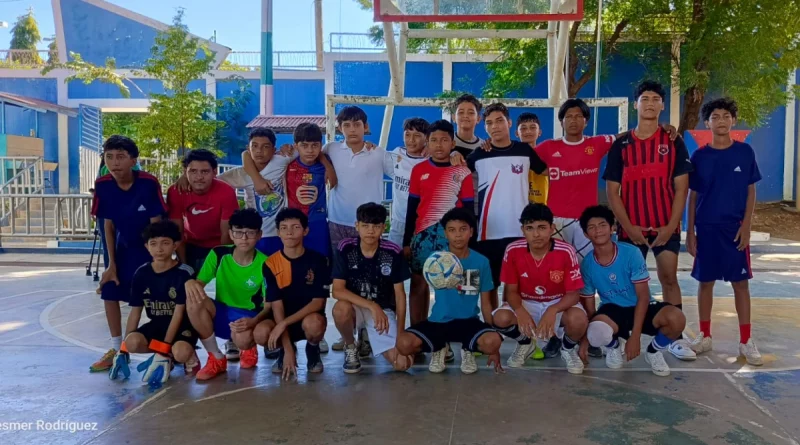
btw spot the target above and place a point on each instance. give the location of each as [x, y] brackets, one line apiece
[175, 323]
[588, 304]
[400, 306]
[250, 168]
[679, 201]
[486, 306]
[615, 202]
[751, 205]
[692, 212]
[133, 320]
[340, 292]
[642, 302]
[111, 242]
[279, 314]
[569, 299]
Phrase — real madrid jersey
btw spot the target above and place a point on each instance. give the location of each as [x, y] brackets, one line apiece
[400, 163]
[267, 205]
[159, 293]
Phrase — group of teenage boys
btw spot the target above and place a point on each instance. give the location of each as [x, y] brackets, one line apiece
[516, 213]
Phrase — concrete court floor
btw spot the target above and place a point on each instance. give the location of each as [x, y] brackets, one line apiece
[52, 327]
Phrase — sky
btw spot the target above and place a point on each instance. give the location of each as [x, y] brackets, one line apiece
[237, 27]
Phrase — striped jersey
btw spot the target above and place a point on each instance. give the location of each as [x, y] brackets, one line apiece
[305, 189]
[646, 169]
[439, 187]
[548, 279]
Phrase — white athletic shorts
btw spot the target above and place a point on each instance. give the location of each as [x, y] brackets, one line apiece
[569, 230]
[536, 309]
[380, 343]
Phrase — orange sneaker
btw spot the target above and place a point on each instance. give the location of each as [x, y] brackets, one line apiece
[248, 358]
[214, 367]
[105, 363]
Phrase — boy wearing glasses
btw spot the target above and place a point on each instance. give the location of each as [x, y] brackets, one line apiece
[239, 304]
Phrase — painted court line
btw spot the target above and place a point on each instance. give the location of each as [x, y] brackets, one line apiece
[39, 291]
[130, 413]
[761, 408]
[56, 326]
[227, 393]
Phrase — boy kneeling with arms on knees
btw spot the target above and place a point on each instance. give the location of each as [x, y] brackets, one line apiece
[158, 288]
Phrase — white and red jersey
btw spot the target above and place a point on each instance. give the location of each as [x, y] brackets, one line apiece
[549, 279]
[574, 170]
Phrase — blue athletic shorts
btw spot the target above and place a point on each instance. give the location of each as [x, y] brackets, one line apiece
[225, 316]
[269, 245]
[424, 244]
[717, 255]
[127, 263]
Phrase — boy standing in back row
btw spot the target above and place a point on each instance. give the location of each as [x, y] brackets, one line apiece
[127, 201]
[647, 182]
[721, 204]
[401, 161]
[528, 131]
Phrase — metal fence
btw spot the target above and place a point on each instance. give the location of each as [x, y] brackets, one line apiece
[48, 216]
[284, 60]
[354, 42]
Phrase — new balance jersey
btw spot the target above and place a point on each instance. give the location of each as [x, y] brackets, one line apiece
[400, 163]
[574, 171]
[455, 304]
[646, 170]
[267, 205]
[238, 286]
[159, 293]
[130, 210]
[360, 177]
[721, 179]
[305, 189]
[371, 278]
[549, 279]
[615, 283]
[436, 188]
[503, 187]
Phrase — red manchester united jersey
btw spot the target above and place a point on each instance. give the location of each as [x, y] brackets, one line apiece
[547, 280]
[574, 169]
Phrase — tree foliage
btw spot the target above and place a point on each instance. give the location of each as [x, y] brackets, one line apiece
[122, 123]
[25, 36]
[744, 49]
[233, 137]
[87, 73]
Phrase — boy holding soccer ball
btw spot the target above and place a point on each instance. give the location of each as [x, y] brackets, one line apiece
[455, 313]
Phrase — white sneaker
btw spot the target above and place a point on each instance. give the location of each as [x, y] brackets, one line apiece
[468, 365]
[682, 350]
[614, 357]
[323, 346]
[338, 345]
[231, 351]
[657, 363]
[750, 352]
[520, 354]
[574, 362]
[437, 361]
[701, 344]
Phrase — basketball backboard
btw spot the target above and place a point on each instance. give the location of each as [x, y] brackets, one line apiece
[478, 10]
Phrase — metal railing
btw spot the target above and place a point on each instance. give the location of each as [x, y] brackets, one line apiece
[354, 42]
[48, 216]
[285, 60]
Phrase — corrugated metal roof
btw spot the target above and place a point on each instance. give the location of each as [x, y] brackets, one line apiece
[36, 104]
[286, 124]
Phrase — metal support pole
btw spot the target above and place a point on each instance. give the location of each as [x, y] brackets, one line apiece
[267, 98]
[395, 92]
[318, 33]
[598, 44]
[2, 117]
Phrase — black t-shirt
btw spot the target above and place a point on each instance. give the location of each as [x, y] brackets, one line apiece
[159, 293]
[297, 281]
[371, 278]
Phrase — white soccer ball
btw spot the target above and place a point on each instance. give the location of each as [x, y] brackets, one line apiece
[443, 270]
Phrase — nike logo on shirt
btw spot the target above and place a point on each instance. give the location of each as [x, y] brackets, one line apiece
[200, 212]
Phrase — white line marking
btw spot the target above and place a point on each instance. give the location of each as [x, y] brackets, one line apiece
[227, 393]
[601, 369]
[130, 413]
[44, 321]
[56, 326]
[453, 422]
[40, 290]
[754, 401]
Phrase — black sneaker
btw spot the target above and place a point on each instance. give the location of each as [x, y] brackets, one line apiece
[595, 352]
[450, 356]
[352, 364]
[553, 348]
[313, 358]
[272, 355]
[277, 367]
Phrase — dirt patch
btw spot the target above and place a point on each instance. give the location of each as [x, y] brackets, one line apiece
[778, 219]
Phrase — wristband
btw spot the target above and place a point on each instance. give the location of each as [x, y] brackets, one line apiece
[160, 347]
[123, 348]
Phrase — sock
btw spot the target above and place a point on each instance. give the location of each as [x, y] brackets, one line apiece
[660, 341]
[513, 332]
[567, 343]
[116, 342]
[614, 343]
[705, 328]
[744, 333]
[210, 344]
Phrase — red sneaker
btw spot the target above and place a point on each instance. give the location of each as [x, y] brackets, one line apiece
[214, 367]
[248, 358]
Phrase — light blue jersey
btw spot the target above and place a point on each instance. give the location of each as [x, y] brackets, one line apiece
[615, 282]
[455, 304]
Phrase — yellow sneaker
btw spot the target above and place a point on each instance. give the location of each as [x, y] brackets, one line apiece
[538, 354]
[105, 363]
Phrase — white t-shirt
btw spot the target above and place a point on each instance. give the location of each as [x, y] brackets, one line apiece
[268, 205]
[400, 163]
[360, 180]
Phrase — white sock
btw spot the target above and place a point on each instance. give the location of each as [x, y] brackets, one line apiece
[116, 343]
[210, 344]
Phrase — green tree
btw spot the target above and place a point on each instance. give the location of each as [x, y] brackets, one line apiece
[744, 49]
[52, 51]
[24, 37]
[233, 137]
[126, 124]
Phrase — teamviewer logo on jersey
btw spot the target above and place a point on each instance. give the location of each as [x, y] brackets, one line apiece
[555, 173]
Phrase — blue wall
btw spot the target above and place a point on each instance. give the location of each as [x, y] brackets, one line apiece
[100, 90]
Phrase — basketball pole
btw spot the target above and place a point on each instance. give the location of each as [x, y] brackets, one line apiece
[597, 62]
[266, 97]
